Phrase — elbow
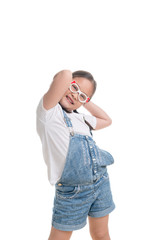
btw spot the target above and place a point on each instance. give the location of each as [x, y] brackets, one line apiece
[109, 122]
[66, 72]
[63, 74]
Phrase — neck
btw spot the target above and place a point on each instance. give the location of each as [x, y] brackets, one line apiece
[66, 109]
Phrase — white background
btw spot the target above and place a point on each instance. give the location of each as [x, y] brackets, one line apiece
[118, 42]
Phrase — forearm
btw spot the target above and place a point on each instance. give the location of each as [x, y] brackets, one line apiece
[96, 111]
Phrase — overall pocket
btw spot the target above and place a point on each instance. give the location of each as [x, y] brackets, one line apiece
[66, 192]
[105, 158]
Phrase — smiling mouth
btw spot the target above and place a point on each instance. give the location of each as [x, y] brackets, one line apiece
[69, 100]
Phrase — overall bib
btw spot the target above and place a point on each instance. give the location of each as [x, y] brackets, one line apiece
[85, 161]
[84, 187]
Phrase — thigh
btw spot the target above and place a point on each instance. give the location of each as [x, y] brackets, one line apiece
[57, 234]
[98, 226]
[70, 208]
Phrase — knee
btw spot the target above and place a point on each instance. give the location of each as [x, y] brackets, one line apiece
[100, 236]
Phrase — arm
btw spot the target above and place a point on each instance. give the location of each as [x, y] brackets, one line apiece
[103, 120]
[58, 87]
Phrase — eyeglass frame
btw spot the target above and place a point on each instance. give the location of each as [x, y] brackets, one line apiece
[79, 92]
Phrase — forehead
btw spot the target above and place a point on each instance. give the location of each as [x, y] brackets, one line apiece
[85, 85]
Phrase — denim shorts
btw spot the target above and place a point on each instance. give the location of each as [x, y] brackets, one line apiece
[72, 204]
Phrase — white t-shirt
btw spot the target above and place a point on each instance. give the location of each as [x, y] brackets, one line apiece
[54, 135]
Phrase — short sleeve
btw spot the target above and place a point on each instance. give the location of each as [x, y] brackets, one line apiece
[44, 114]
[91, 119]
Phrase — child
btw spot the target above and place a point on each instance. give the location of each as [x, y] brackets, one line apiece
[76, 165]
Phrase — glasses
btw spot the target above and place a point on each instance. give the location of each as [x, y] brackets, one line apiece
[81, 96]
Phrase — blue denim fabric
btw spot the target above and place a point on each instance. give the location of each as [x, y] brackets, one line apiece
[84, 186]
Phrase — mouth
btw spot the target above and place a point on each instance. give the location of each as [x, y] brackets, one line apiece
[69, 99]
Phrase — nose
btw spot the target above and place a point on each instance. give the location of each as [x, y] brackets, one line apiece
[75, 96]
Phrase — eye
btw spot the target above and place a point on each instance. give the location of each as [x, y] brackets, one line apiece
[75, 87]
[83, 96]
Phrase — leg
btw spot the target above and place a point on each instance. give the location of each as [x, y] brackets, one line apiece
[57, 234]
[100, 209]
[98, 227]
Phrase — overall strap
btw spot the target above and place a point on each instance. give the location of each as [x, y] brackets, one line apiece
[68, 123]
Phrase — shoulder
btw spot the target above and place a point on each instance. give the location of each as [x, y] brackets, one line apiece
[44, 114]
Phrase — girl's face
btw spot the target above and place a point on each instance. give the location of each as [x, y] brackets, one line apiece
[85, 86]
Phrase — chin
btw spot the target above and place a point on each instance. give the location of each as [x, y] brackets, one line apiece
[64, 106]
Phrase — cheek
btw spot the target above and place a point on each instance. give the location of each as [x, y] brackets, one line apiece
[66, 93]
[79, 104]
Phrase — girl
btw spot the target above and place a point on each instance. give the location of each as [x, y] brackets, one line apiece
[76, 165]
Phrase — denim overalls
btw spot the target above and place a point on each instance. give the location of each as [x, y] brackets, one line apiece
[85, 161]
[84, 187]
